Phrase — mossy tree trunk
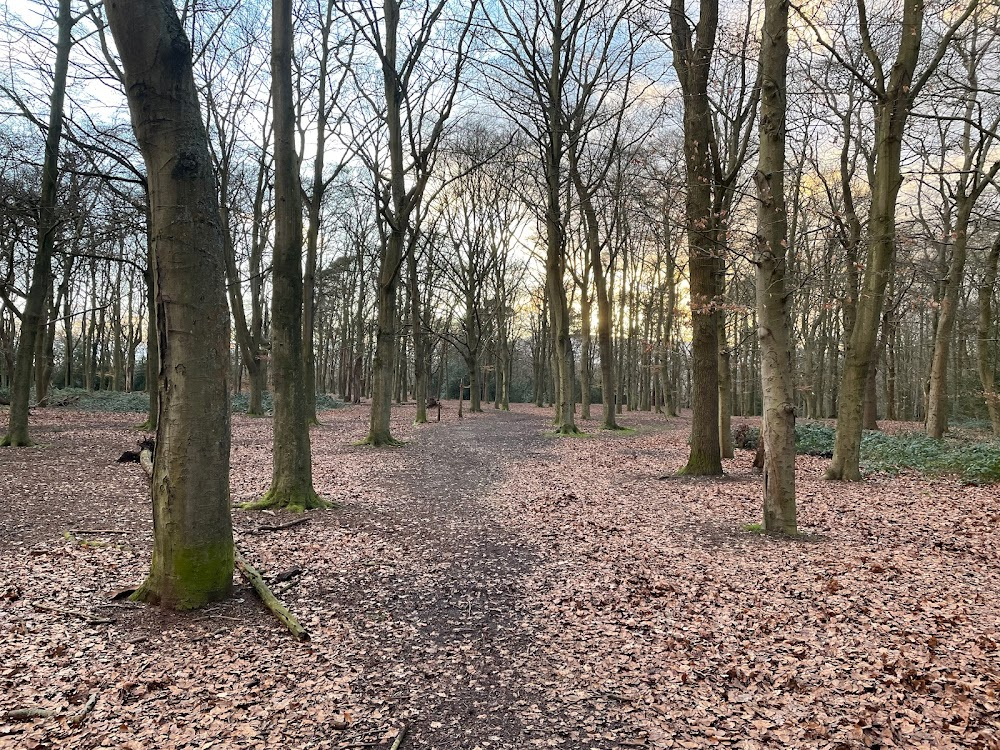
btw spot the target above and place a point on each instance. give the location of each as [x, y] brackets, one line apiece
[192, 561]
[894, 97]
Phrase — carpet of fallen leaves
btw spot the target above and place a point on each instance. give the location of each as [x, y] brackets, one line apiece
[488, 586]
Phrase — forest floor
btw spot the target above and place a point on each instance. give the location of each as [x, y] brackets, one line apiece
[490, 587]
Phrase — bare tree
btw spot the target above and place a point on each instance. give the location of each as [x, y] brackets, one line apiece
[192, 530]
[291, 478]
[773, 319]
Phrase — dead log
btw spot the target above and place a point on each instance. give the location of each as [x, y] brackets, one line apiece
[34, 712]
[61, 401]
[278, 609]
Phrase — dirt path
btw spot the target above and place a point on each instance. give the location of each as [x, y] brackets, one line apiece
[446, 627]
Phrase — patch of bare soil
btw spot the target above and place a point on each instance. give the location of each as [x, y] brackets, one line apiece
[489, 586]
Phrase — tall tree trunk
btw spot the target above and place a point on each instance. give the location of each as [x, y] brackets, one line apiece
[692, 61]
[585, 365]
[725, 392]
[420, 358]
[892, 108]
[555, 248]
[985, 346]
[192, 562]
[291, 477]
[312, 234]
[392, 252]
[774, 321]
[32, 320]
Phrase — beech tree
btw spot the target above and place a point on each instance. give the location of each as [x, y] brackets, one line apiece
[291, 477]
[33, 320]
[192, 561]
[773, 320]
[894, 95]
[977, 171]
[692, 50]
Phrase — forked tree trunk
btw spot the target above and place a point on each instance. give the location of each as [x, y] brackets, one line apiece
[892, 109]
[192, 562]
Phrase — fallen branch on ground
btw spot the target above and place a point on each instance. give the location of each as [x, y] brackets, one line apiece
[99, 531]
[399, 738]
[34, 712]
[79, 716]
[270, 600]
[282, 526]
[27, 714]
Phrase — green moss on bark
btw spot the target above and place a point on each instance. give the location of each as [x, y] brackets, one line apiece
[191, 578]
[701, 465]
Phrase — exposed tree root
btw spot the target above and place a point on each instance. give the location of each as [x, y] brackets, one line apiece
[384, 440]
[295, 501]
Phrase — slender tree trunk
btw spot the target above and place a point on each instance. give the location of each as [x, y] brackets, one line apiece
[725, 392]
[32, 320]
[291, 477]
[985, 346]
[392, 254]
[152, 338]
[192, 562]
[890, 121]
[937, 398]
[774, 321]
[585, 365]
[420, 363]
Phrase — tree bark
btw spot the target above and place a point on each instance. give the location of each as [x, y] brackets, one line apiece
[33, 318]
[894, 98]
[291, 478]
[192, 562]
[692, 61]
[985, 346]
[774, 321]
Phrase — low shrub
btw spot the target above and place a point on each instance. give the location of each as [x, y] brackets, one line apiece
[975, 462]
